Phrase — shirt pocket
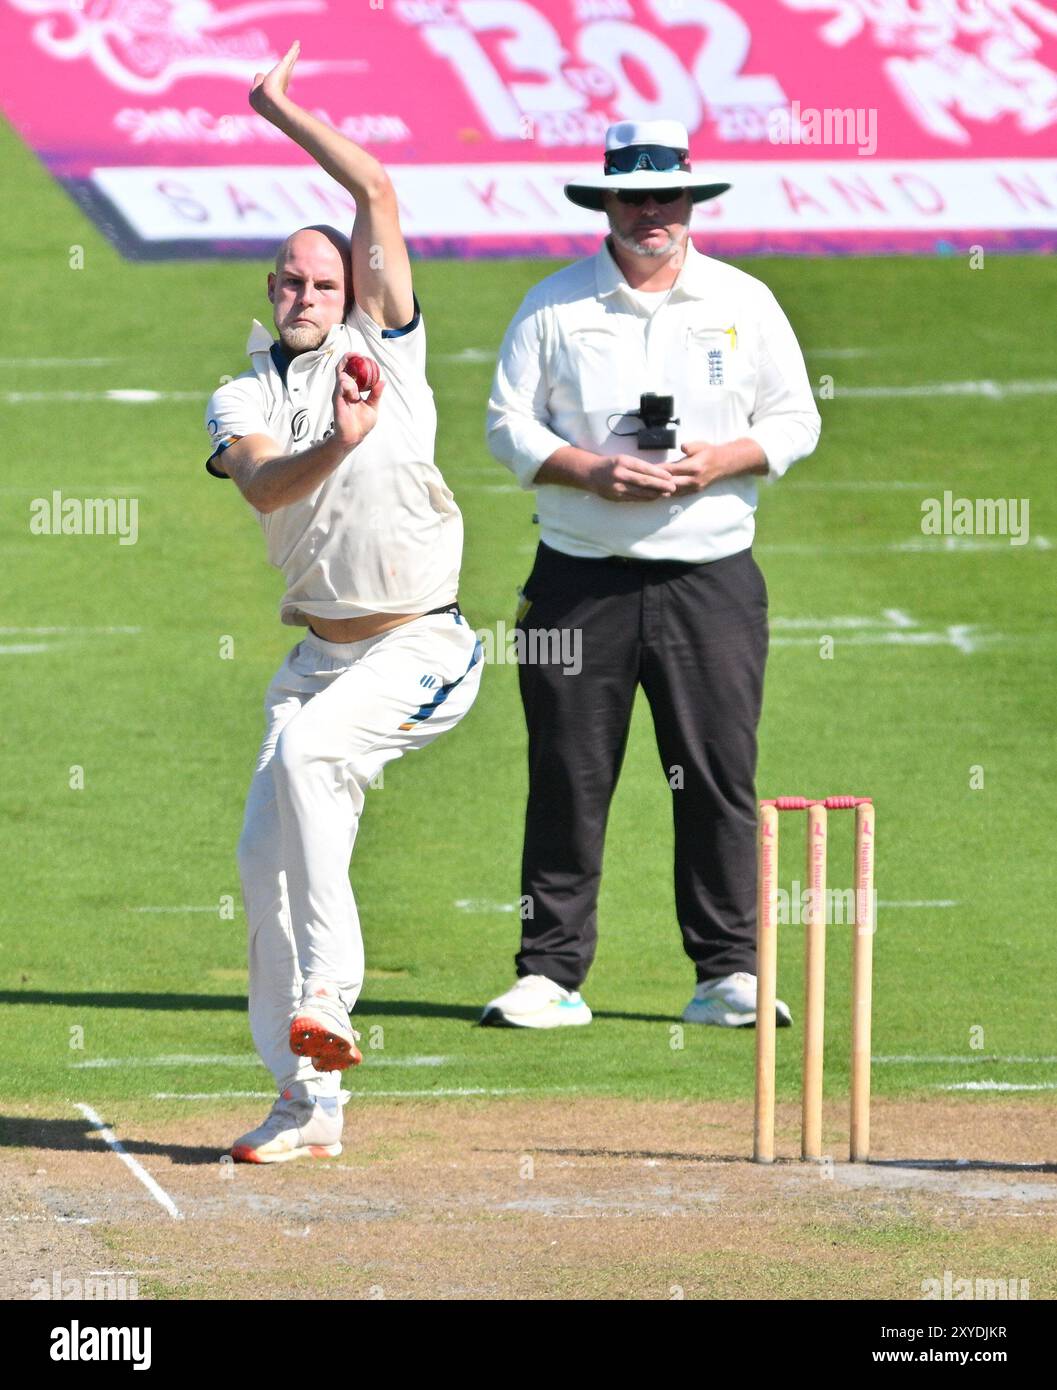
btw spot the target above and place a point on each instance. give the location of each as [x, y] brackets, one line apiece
[600, 364]
[718, 361]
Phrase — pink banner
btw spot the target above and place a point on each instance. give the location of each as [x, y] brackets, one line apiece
[865, 125]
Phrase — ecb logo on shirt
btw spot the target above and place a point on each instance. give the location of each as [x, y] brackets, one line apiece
[299, 425]
[715, 367]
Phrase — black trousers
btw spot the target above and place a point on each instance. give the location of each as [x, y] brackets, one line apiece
[695, 638]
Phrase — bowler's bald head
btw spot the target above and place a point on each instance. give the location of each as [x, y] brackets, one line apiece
[313, 240]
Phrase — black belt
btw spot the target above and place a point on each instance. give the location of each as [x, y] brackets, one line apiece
[448, 608]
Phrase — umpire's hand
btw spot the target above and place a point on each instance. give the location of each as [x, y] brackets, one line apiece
[628, 479]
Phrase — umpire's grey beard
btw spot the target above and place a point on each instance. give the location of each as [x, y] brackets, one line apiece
[637, 249]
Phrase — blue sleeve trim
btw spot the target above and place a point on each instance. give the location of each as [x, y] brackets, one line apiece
[225, 444]
[408, 327]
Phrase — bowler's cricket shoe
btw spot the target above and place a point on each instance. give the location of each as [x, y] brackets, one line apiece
[320, 1029]
[731, 1003]
[300, 1125]
[536, 1002]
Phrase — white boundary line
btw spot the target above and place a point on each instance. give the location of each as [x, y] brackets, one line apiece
[136, 1168]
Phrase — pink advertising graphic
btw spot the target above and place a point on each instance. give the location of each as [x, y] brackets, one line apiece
[843, 125]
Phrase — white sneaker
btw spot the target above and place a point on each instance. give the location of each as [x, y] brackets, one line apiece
[536, 1002]
[299, 1125]
[731, 1003]
[320, 1029]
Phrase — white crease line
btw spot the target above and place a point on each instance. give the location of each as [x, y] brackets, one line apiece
[473, 1091]
[998, 1086]
[959, 636]
[248, 1059]
[123, 397]
[65, 1220]
[991, 1059]
[55, 631]
[370, 1094]
[175, 1059]
[107, 1135]
[405, 1061]
[467, 355]
[841, 352]
[215, 908]
[958, 544]
[890, 618]
[919, 902]
[57, 361]
[860, 485]
[940, 545]
[482, 905]
[25, 648]
[991, 390]
[213, 1095]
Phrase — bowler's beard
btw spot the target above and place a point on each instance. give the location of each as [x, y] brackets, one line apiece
[301, 337]
[628, 242]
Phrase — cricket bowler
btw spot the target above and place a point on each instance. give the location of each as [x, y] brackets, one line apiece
[369, 539]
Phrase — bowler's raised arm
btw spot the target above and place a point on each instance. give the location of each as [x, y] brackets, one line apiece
[381, 271]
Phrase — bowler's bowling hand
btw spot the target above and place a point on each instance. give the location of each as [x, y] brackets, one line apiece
[628, 479]
[699, 469]
[269, 89]
[354, 418]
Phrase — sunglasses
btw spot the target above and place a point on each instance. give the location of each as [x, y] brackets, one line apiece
[637, 196]
[662, 159]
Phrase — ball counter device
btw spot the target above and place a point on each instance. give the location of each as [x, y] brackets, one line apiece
[364, 371]
[657, 414]
[814, 973]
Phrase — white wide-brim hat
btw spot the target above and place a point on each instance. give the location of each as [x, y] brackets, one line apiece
[634, 150]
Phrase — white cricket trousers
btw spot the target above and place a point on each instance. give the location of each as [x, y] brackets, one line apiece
[335, 714]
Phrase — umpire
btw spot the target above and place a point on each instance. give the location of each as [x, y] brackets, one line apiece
[646, 510]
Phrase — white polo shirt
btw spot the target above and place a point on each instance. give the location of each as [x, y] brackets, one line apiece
[382, 532]
[582, 349]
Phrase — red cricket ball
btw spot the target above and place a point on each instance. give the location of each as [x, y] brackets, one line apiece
[364, 371]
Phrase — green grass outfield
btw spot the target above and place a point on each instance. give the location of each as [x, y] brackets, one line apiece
[167, 731]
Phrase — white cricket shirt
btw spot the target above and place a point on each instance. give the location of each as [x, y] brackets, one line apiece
[382, 533]
[583, 348]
